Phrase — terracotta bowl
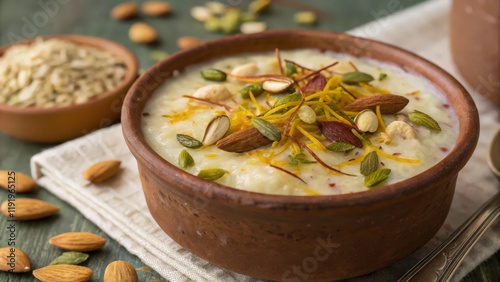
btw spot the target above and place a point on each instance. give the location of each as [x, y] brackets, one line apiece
[49, 125]
[314, 238]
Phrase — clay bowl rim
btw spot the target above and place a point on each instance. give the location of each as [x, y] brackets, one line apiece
[100, 44]
[144, 154]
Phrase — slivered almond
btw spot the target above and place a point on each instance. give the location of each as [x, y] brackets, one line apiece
[78, 241]
[63, 273]
[120, 270]
[14, 260]
[243, 140]
[18, 182]
[389, 103]
[101, 171]
[27, 209]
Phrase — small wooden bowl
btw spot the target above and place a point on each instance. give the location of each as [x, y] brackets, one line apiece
[57, 124]
[297, 238]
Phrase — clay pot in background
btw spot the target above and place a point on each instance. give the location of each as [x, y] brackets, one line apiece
[475, 44]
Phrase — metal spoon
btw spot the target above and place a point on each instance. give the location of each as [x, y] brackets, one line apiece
[442, 263]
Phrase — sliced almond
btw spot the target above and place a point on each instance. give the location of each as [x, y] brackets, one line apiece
[120, 270]
[142, 33]
[124, 11]
[156, 8]
[216, 129]
[389, 103]
[27, 209]
[16, 181]
[277, 85]
[243, 140]
[78, 241]
[63, 273]
[13, 259]
[101, 171]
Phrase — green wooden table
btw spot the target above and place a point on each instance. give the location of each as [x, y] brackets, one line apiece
[27, 19]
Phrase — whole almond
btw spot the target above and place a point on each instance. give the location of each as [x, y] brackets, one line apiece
[142, 33]
[120, 270]
[63, 273]
[187, 42]
[389, 103]
[243, 140]
[101, 171]
[27, 209]
[336, 131]
[20, 181]
[13, 259]
[156, 8]
[124, 11]
[78, 241]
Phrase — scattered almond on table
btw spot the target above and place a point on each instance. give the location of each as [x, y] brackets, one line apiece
[124, 11]
[22, 260]
[23, 183]
[120, 270]
[63, 273]
[78, 241]
[143, 33]
[156, 8]
[27, 209]
[101, 171]
[187, 42]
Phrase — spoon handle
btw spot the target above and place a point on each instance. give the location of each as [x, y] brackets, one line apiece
[441, 263]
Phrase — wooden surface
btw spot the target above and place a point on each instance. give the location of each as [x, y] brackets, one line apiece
[26, 19]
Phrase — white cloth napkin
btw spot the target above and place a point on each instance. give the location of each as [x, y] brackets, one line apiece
[118, 207]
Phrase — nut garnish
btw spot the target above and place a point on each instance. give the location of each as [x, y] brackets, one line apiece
[243, 140]
[340, 147]
[267, 129]
[120, 270]
[307, 114]
[27, 209]
[274, 85]
[256, 90]
[78, 241]
[22, 262]
[366, 121]
[142, 33]
[22, 183]
[124, 11]
[389, 104]
[401, 129]
[101, 171]
[356, 77]
[63, 273]
[253, 27]
[424, 119]
[156, 8]
[211, 174]
[245, 70]
[188, 141]
[339, 132]
[213, 92]
[377, 177]
[213, 74]
[369, 163]
[201, 13]
[216, 129]
[185, 159]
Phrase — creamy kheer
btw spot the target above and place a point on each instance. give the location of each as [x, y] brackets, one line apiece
[312, 137]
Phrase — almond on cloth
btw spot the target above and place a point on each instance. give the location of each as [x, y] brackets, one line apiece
[120, 270]
[156, 8]
[78, 241]
[101, 171]
[22, 183]
[20, 263]
[143, 33]
[63, 273]
[124, 11]
[187, 42]
[27, 209]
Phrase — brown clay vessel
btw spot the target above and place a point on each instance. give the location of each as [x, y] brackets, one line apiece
[287, 238]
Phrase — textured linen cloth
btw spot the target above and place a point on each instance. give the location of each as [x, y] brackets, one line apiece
[118, 207]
